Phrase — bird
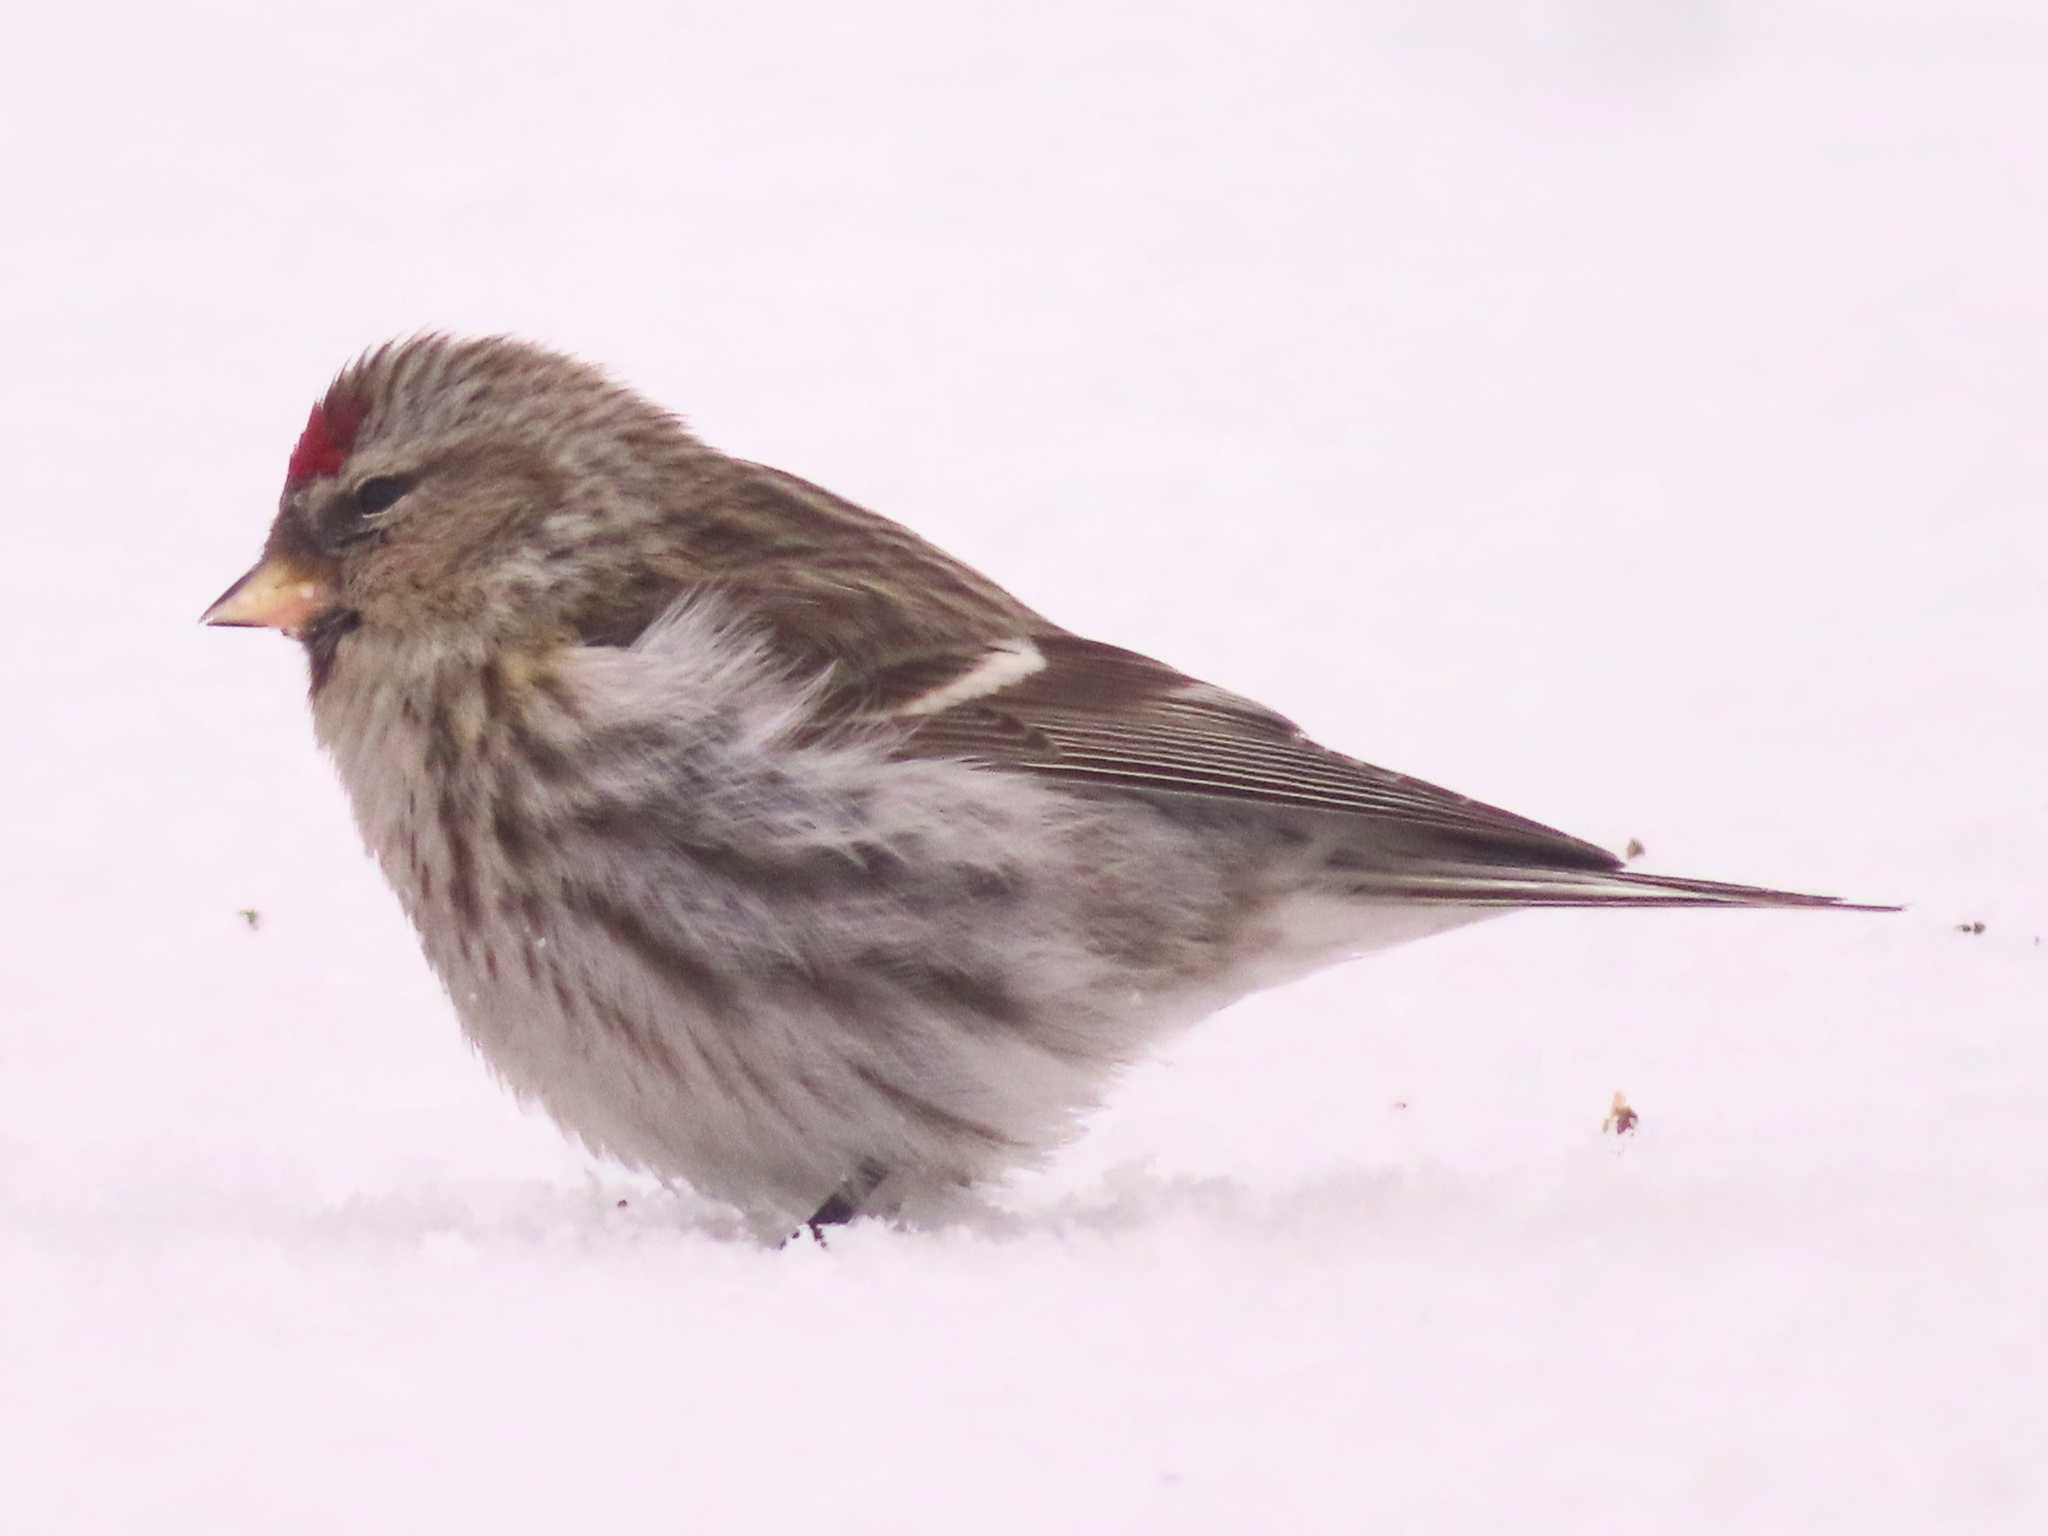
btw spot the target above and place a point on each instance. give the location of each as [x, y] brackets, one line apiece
[771, 849]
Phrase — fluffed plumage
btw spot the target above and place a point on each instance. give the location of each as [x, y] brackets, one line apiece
[771, 848]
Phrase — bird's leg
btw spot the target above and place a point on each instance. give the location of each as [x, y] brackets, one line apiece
[844, 1203]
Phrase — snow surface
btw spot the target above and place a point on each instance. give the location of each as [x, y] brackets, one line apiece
[1629, 412]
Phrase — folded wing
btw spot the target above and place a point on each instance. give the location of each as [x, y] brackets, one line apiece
[1100, 718]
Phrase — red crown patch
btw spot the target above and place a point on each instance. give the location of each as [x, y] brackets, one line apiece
[330, 433]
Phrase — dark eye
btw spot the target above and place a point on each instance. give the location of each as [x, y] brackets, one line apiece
[378, 493]
[355, 517]
[352, 518]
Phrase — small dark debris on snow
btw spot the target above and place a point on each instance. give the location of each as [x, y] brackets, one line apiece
[620, 1206]
[1970, 927]
[251, 916]
[1621, 1119]
[1635, 849]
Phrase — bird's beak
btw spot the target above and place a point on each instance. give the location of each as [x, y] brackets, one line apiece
[277, 594]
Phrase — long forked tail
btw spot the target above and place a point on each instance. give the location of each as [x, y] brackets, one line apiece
[1481, 885]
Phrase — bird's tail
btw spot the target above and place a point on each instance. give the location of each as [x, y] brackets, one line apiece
[1492, 885]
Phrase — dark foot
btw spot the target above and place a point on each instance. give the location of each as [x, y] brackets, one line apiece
[845, 1201]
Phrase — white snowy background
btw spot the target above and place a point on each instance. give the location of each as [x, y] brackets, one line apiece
[1629, 411]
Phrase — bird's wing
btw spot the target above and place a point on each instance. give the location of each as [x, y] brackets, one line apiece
[1057, 706]
[906, 635]
[821, 580]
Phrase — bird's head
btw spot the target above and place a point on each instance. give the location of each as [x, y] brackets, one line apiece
[462, 493]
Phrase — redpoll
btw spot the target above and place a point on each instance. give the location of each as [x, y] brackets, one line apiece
[771, 848]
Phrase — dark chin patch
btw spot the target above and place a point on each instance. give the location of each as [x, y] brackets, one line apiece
[322, 640]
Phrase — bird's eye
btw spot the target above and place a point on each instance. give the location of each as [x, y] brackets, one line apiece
[379, 492]
[351, 518]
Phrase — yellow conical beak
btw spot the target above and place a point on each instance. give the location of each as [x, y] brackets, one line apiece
[277, 594]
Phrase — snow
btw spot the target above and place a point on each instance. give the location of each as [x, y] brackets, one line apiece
[1626, 413]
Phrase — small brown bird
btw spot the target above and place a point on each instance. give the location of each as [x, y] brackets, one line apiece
[769, 847]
